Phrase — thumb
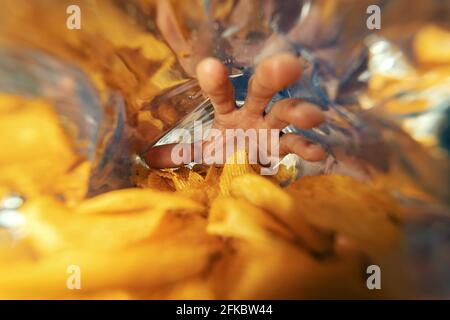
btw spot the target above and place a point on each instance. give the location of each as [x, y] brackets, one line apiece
[162, 157]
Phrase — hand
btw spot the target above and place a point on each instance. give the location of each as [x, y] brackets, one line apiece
[272, 75]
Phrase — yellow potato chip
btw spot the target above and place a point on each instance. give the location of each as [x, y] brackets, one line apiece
[352, 208]
[235, 166]
[199, 233]
[432, 44]
[267, 195]
[230, 217]
[150, 266]
[135, 200]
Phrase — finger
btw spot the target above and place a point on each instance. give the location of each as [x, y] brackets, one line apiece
[293, 143]
[271, 76]
[213, 78]
[162, 157]
[302, 115]
[168, 25]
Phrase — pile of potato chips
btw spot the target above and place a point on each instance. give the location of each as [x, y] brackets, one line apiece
[203, 233]
[200, 233]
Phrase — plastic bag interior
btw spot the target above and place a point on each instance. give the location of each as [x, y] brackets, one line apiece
[77, 107]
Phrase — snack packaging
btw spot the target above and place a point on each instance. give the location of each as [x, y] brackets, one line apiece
[86, 103]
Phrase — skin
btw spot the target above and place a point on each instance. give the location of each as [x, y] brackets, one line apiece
[272, 75]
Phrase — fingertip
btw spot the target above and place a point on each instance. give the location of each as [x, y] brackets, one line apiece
[208, 65]
[160, 157]
[211, 74]
[279, 71]
[307, 116]
[293, 143]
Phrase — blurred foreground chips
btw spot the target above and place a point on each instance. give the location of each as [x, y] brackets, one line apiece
[204, 233]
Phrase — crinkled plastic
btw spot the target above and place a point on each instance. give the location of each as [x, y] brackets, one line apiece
[363, 139]
[341, 54]
[98, 130]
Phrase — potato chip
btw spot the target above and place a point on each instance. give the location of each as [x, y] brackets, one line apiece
[235, 166]
[284, 272]
[134, 200]
[191, 233]
[271, 197]
[148, 266]
[230, 217]
[432, 45]
[157, 182]
[352, 208]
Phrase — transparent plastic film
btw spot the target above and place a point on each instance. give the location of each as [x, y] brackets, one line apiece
[79, 107]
